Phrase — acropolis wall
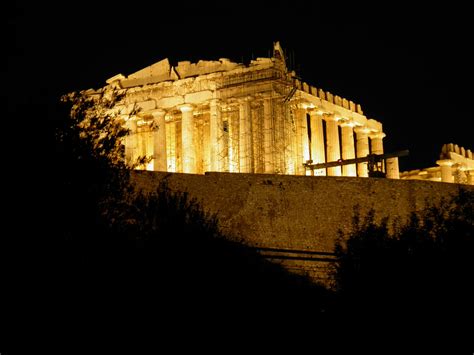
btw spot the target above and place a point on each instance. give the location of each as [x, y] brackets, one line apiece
[221, 116]
[300, 216]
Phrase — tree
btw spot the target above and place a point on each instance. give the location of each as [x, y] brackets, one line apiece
[91, 176]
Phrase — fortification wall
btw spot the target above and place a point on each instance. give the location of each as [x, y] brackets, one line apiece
[297, 212]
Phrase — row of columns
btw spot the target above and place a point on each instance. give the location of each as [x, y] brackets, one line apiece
[333, 145]
[314, 147]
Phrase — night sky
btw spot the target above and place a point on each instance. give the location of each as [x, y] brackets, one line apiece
[410, 68]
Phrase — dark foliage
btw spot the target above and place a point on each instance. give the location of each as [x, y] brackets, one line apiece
[113, 260]
[421, 274]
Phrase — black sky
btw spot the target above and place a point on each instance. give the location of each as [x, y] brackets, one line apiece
[409, 67]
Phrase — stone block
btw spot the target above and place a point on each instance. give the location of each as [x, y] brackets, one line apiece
[198, 97]
[170, 102]
[322, 94]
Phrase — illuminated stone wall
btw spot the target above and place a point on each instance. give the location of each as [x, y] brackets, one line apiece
[297, 212]
[230, 117]
[455, 165]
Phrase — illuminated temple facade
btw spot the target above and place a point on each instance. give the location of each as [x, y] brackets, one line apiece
[230, 117]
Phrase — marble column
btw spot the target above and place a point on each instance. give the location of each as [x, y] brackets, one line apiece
[470, 177]
[362, 145]
[187, 139]
[317, 142]
[267, 134]
[159, 141]
[332, 143]
[171, 149]
[446, 170]
[305, 140]
[245, 136]
[131, 141]
[215, 136]
[393, 171]
[348, 149]
[233, 141]
[376, 142]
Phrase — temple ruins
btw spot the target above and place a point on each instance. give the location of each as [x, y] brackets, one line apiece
[455, 165]
[223, 116]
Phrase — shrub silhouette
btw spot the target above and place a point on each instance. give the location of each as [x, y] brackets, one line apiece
[424, 267]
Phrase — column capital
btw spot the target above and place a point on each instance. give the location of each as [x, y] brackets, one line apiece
[377, 135]
[215, 103]
[345, 122]
[445, 162]
[315, 111]
[186, 107]
[158, 113]
[330, 117]
[265, 95]
[245, 98]
[362, 130]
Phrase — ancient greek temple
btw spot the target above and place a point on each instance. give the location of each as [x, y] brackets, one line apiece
[229, 117]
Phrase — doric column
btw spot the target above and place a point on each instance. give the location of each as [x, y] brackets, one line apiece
[317, 142]
[302, 147]
[159, 141]
[393, 172]
[215, 136]
[470, 177]
[446, 170]
[171, 146]
[245, 137]
[187, 139]
[376, 142]
[332, 143]
[348, 149]
[298, 145]
[233, 141]
[362, 142]
[267, 134]
[131, 141]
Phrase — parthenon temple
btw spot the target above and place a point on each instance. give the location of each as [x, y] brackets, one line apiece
[257, 118]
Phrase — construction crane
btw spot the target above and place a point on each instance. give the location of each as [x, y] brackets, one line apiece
[375, 162]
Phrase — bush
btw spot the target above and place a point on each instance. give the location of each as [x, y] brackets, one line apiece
[424, 267]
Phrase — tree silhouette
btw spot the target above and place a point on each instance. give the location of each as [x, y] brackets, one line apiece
[148, 254]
